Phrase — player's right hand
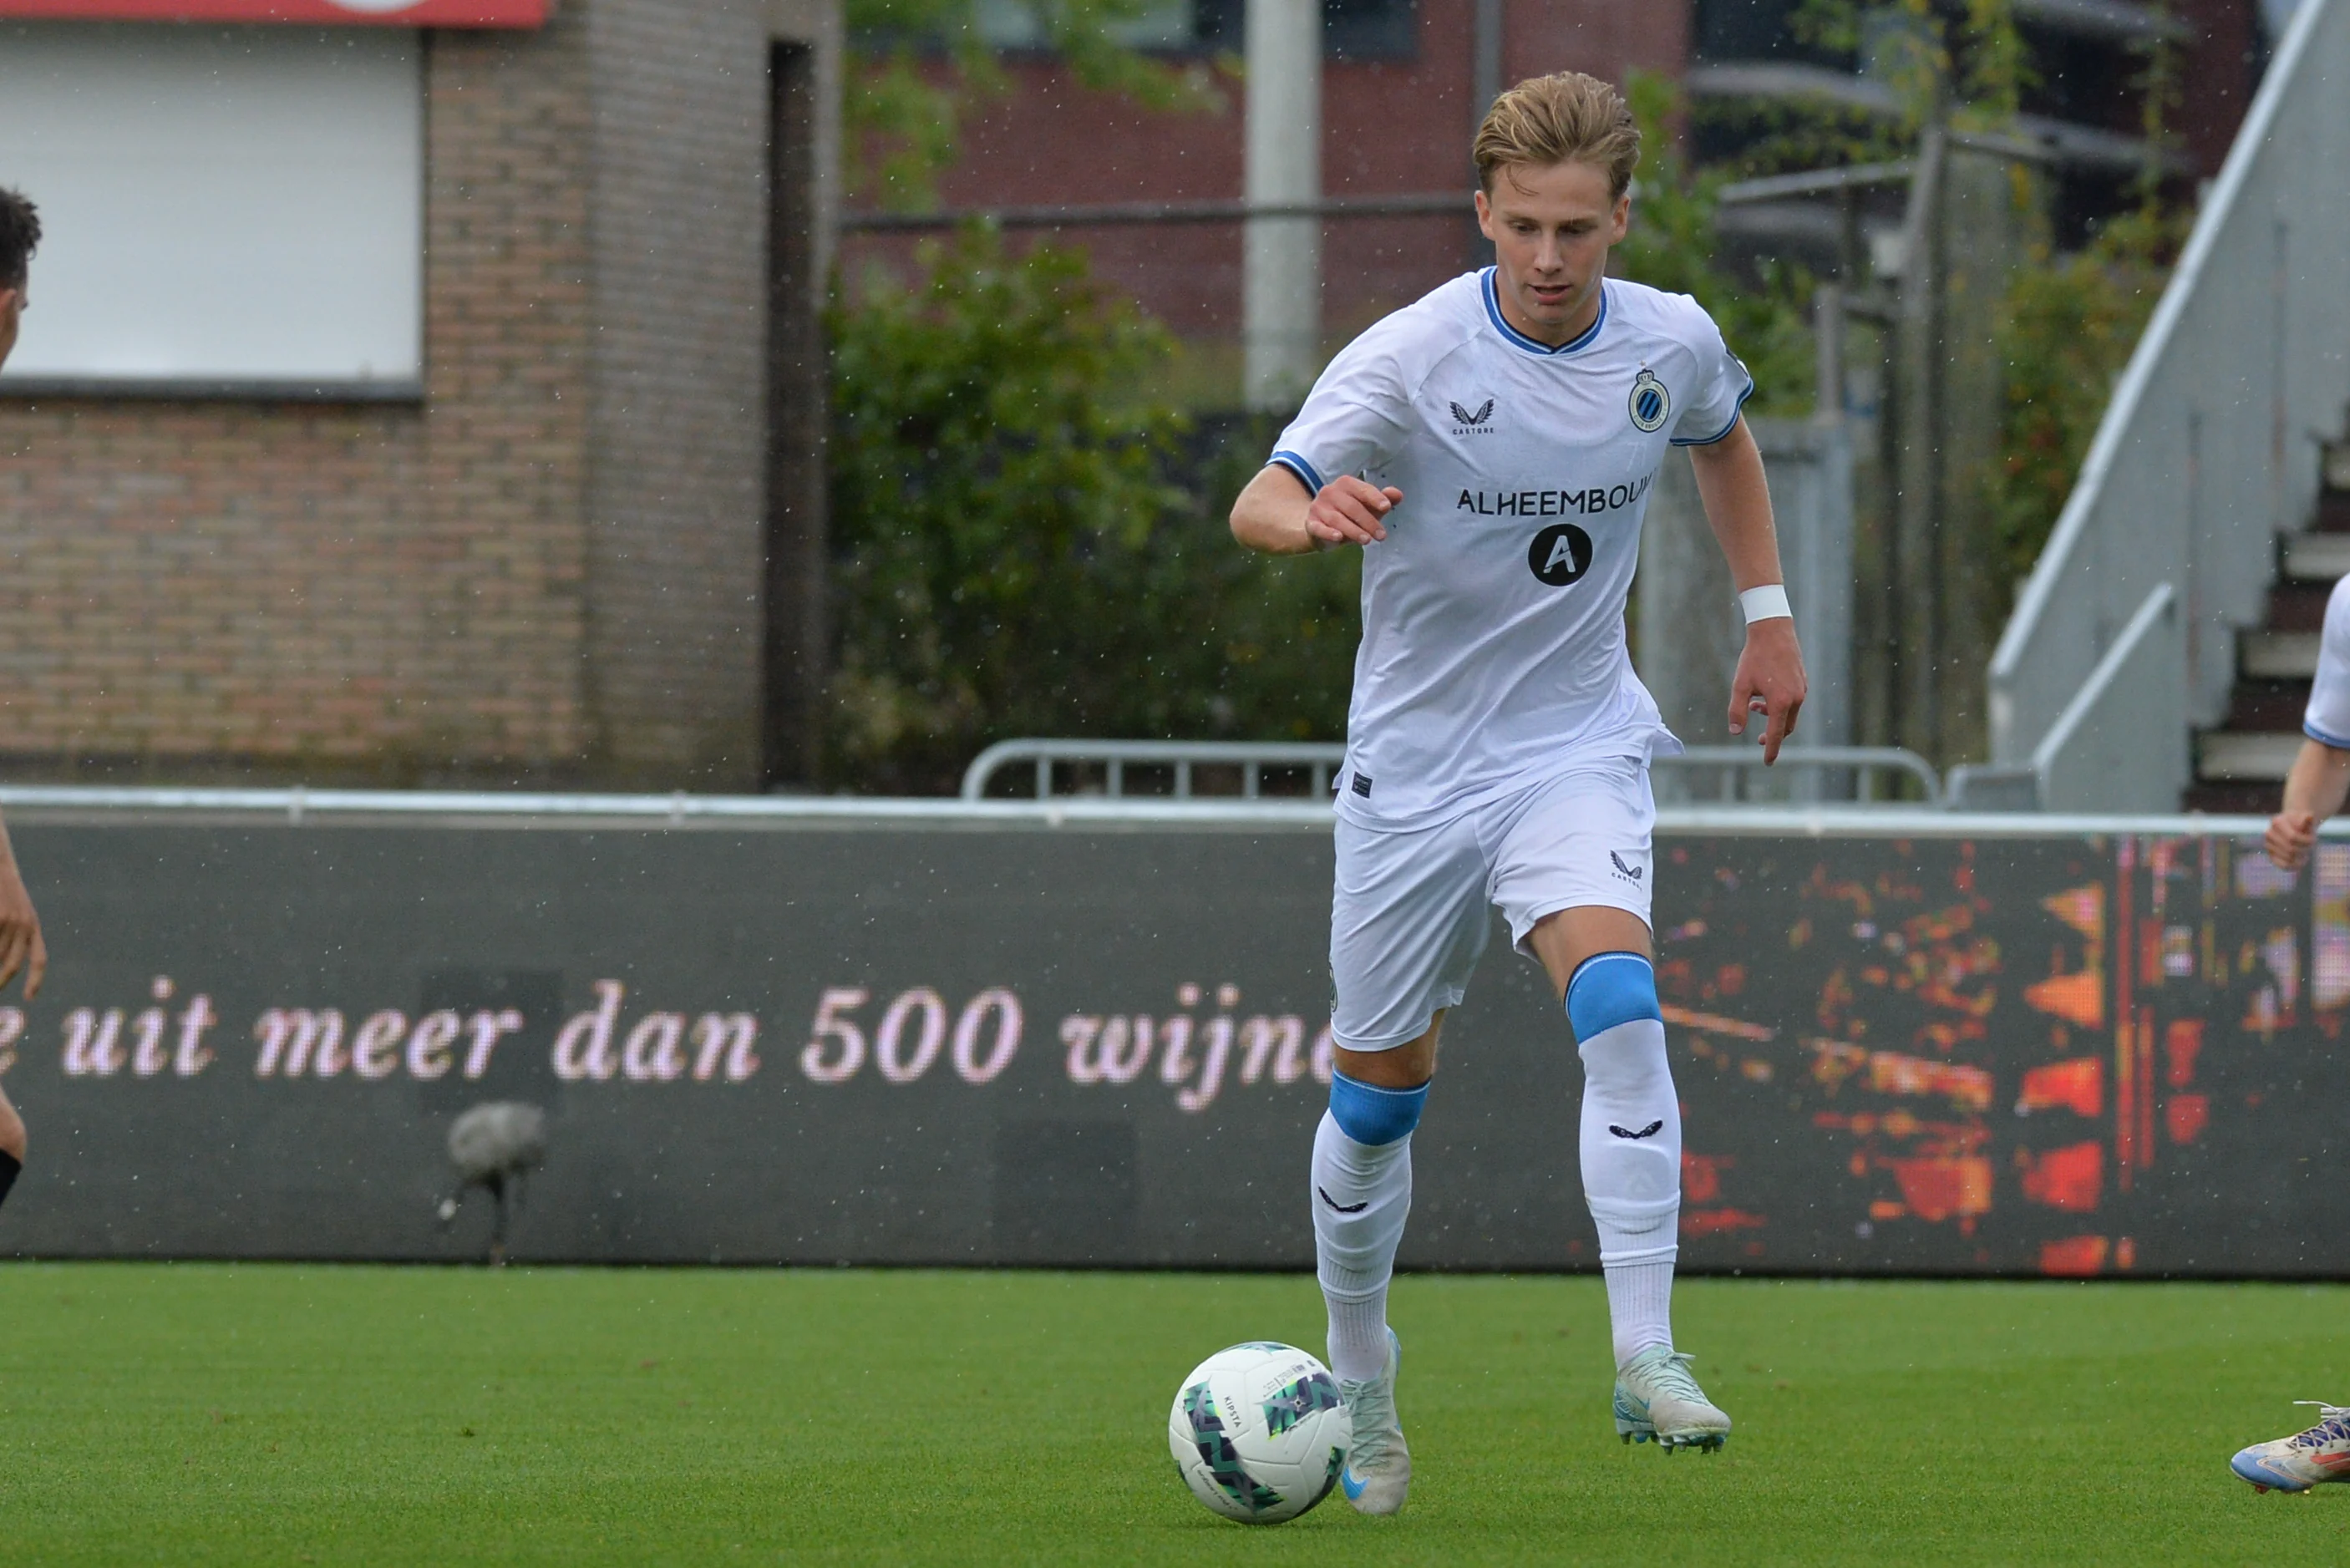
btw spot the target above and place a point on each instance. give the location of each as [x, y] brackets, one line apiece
[20, 933]
[1348, 512]
[2290, 835]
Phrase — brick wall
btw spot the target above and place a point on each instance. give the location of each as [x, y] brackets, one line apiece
[678, 414]
[550, 572]
[1389, 126]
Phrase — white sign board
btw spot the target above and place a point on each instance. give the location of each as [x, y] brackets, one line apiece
[235, 205]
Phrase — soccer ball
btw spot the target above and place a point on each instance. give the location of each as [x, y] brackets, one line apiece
[1259, 1432]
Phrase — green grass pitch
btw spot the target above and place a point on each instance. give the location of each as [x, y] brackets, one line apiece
[280, 1414]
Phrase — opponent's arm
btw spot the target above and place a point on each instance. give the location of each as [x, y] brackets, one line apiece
[20, 925]
[1275, 515]
[1738, 508]
[2313, 791]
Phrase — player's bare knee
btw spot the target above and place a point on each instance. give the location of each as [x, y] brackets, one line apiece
[1563, 940]
[12, 1132]
[1406, 1066]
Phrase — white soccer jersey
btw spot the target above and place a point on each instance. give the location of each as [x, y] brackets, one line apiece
[1493, 646]
[2327, 719]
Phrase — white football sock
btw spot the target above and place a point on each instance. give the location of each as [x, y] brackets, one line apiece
[1631, 1136]
[1640, 1306]
[1362, 1193]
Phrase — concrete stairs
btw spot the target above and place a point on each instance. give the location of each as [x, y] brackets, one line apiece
[2240, 767]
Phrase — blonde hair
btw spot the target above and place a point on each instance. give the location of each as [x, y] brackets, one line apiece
[1568, 117]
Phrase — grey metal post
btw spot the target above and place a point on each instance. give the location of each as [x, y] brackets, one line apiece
[1485, 68]
[1281, 257]
[1827, 340]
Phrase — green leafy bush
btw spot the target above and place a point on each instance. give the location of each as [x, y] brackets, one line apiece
[1671, 246]
[1028, 542]
[2067, 327]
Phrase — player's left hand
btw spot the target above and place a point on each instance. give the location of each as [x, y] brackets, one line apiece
[1769, 682]
[21, 946]
[2290, 836]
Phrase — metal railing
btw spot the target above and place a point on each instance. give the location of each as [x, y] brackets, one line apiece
[1107, 768]
[2209, 448]
[308, 810]
[2088, 759]
[1808, 765]
[1177, 759]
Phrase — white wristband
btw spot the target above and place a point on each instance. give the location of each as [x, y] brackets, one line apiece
[1765, 603]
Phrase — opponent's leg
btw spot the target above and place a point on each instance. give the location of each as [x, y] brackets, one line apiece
[2307, 1458]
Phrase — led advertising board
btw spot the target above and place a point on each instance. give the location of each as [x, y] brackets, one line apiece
[2055, 1055]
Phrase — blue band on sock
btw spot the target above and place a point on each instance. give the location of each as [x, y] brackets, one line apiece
[1609, 988]
[1373, 1115]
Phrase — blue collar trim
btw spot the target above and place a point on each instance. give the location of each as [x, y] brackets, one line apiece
[1491, 293]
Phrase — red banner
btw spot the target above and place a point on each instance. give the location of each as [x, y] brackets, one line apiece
[383, 13]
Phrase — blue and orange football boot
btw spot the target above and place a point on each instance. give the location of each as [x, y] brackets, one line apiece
[2305, 1458]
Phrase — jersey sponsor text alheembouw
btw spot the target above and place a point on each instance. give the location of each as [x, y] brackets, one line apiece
[1493, 651]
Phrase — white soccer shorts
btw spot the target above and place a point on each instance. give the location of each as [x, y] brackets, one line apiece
[1408, 917]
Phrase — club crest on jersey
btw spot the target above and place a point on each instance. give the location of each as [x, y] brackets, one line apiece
[1472, 422]
[1649, 401]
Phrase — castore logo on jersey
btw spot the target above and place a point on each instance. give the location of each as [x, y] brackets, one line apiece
[1464, 422]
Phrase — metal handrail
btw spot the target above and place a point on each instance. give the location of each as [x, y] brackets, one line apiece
[1320, 759]
[83, 805]
[2201, 454]
[1861, 760]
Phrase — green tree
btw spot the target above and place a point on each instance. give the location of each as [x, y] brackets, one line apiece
[2066, 329]
[2066, 323]
[1671, 246]
[1027, 542]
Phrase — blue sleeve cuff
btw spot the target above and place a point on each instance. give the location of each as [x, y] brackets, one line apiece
[2338, 742]
[1723, 433]
[1302, 468]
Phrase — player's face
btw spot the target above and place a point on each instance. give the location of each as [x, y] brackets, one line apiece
[1551, 224]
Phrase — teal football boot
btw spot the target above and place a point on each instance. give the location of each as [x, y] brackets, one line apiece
[1657, 1401]
[1378, 1466]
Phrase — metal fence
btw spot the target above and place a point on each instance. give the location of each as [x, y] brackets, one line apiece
[1049, 770]
[2211, 444]
[1176, 762]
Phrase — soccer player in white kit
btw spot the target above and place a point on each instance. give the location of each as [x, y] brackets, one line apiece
[2314, 790]
[1491, 448]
